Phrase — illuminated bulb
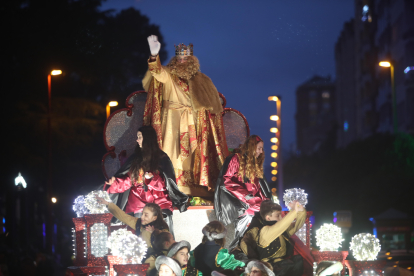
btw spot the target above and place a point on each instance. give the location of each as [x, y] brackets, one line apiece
[275, 147]
[274, 172]
[273, 164]
[274, 130]
[273, 98]
[274, 140]
[56, 72]
[273, 154]
[54, 200]
[385, 64]
[274, 178]
[113, 103]
[274, 118]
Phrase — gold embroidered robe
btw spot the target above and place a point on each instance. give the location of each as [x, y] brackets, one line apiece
[191, 132]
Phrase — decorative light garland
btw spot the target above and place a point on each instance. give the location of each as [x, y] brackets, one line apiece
[79, 206]
[129, 247]
[329, 237]
[295, 194]
[92, 204]
[365, 247]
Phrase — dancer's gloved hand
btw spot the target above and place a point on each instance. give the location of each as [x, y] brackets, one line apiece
[154, 45]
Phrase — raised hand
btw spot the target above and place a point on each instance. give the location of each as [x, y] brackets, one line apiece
[110, 181]
[154, 44]
[100, 200]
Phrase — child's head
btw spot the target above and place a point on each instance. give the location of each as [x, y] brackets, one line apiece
[161, 240]
[167, 266]
[179, 251]
[259, 268]
[152, 213]
[270, 211]
[215, 231]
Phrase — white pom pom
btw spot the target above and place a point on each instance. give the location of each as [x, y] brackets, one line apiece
[79, 206]
[329, 237]
[129, 247]
[365, 247]
[92, 204]
[295, 194]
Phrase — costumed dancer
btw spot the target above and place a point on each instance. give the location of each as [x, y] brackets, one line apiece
[167, 266]
[258, 268]
[147, 177]
[184, 107]
[150, 220]
[241, 187]
[210, 254]
[179, 251]
[270, 241]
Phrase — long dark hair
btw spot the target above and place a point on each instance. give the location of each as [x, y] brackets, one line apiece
[148, 157]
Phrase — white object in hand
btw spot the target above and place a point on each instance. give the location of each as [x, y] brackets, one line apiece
[336, 267]
[154, 44]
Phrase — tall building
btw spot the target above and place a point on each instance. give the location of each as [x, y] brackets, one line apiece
[346, 96]
[365, 70]
[382, 30]
[315, 115]
[395, 40]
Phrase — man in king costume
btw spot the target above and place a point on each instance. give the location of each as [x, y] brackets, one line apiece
[184, 107]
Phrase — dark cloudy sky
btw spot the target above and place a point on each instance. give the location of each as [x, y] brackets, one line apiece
[253, 49]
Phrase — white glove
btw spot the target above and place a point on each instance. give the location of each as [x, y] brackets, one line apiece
[154, 44]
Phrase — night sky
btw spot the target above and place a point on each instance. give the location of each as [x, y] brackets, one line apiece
[253, 49]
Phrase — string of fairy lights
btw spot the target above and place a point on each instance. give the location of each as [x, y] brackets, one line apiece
[275, 154]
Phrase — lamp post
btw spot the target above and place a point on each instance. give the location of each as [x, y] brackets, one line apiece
[393, 94]
[277, 166]
[49, 224]
[108, 107]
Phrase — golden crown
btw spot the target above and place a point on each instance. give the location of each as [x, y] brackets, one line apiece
[183, 50]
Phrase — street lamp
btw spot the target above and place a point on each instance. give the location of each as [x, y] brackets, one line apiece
[54, 200]
[393, 96]
[108, 107]
[277, 174]
[49, 226]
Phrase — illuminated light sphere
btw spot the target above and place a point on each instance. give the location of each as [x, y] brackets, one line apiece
[274, 130]
[329, 237]
[274, 147]
[291, 195]
[273, 154]
[273, 164]
[79, 206]
[274, 118]
[274, 172]
[365, 247]
[274, 140]
[274, 178]
[385, 64]
[113, 103]
[92, 204]
[131, 248]
[54, 200]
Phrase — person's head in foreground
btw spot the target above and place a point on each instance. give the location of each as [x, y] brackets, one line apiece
[270, 211]
[179, 251]
[215, 231]
[258, 268]
[161, 240]
[167, 266]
